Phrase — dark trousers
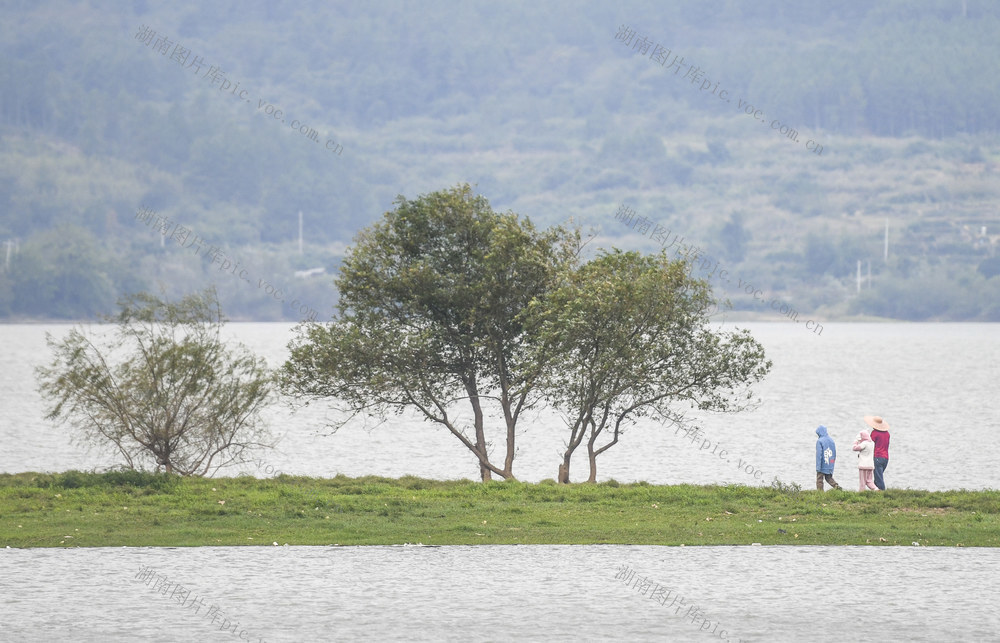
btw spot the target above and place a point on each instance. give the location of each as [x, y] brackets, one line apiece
[880, 465]
[820, 476]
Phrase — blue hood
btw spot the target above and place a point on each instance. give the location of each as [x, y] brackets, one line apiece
[826, 451]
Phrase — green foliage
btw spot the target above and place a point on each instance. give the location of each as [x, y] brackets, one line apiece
[165, 391]
[625, 336]
[94, 124]
[785, 487]
[120, 478]
[430, 313]
[446, 301]
[62, 273]
[73, 479]
[929, 294]
[989, 267]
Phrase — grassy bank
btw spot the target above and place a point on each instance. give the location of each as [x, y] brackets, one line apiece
[75, 509]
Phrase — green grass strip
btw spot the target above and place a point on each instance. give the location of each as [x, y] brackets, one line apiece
[75, 509]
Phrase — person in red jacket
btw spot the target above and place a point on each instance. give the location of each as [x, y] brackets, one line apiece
[880, 436]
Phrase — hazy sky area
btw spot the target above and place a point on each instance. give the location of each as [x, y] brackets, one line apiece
[148, 146]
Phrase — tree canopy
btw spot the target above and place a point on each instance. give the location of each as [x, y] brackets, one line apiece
[430, 314]
[447, 306]
[630, 338]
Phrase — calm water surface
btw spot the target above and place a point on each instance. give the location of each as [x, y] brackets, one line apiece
[936, 384]
[502, 593]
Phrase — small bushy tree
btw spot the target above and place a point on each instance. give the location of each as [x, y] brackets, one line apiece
[164, 389]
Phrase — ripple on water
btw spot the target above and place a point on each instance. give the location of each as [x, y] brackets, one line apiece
[501, 593]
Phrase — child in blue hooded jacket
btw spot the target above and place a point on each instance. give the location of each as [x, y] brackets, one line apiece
[826, 457]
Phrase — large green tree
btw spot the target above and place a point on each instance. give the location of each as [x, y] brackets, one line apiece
[163, 389]
[431, 319]
[630, 338]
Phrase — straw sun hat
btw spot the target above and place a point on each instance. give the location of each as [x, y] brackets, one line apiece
[876, 422]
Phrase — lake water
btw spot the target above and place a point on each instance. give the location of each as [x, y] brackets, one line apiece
[501, 593]
[934, 383]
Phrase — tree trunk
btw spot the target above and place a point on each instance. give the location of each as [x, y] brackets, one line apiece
[575, 438]
[477, 411]
[567, 455]
[563, 477]
[508, 463]
[592, 455]
[484, 471]
[593, 465]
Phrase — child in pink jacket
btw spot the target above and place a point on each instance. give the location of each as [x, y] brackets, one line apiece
[866, 461]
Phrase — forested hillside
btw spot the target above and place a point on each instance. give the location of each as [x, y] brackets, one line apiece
[555, 110]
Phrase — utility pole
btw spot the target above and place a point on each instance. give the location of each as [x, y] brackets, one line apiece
[9, 243]
[859, 275]
[885, 253]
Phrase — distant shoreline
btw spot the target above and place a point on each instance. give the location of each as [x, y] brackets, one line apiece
[738, 316]
[133, 509]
